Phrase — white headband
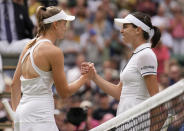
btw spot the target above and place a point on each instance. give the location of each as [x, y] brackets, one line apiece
[59, 16]
[132, 19]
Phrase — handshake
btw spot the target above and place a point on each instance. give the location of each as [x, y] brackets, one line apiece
[88, 70]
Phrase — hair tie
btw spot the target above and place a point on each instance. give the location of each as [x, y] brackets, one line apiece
[44, 8]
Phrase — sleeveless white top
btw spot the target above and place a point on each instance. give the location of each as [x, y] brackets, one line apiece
[35, 111]
[134, 91]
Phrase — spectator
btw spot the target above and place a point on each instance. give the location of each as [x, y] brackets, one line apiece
[160, 20]
[79, 25]
[162, 54]
[104, 107]
[15, 22]
[93, 5]
[90, 121]
[15, 28]
[92, 45]
[101, 25]
[47, 3]
[106, 117]
[174, 73]
[33, 5]
[110, 74]
[126, 4]
[59, 118]
[67, 126]
[146, 6]
[63, 4]
[164, 81]
[115, 46]
[168, 5]
[177, 31]
[70, 49]
[74, 73]
[110, 9]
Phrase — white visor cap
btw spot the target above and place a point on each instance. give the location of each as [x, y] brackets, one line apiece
[132, 19]
[60, 16]
[120, 22]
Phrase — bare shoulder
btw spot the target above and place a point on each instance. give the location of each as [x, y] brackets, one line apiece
[51, 51]
[23, 52]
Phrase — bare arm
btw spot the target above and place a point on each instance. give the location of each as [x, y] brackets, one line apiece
[157, 121]
[16, 84]
[151, 84]
[107, 87]
[63, 88]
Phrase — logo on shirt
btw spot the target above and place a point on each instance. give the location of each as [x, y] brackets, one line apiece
[147, 67]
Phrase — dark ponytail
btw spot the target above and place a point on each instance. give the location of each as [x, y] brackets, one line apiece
[147, 20]
[156, 37]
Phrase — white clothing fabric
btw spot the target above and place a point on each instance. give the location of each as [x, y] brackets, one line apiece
[167, 39]
[178, 46]
[15, 48]
[93, 5]
[134, 91]
[35, 111]
[160, 21]
[70, 46]
[73, 74]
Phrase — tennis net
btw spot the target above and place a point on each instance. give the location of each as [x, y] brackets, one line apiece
[164, 111]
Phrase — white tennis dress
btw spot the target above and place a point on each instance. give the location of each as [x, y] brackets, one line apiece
[35, 111]
[134, 91]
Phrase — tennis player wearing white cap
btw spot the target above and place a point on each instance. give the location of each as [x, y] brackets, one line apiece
[139, 77]
[138, 80]
[41, 64]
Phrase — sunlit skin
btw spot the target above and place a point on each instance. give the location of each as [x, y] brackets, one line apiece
[45, 58]
[132, 35]
[57, 31]
[128, 33]
[60, 29]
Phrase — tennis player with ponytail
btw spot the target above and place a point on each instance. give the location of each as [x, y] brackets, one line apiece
[139, 77]
[41, 64]
[138, 80]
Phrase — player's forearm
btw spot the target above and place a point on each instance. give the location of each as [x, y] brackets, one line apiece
[151, 84]
[107, 87]
[15, 97]
[74, 86]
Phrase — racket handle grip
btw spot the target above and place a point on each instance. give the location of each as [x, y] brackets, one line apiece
[9, 110]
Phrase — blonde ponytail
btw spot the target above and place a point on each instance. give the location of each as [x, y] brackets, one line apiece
[43, 13]
[31, 43]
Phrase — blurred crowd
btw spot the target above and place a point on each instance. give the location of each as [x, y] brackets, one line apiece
[93, 37]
